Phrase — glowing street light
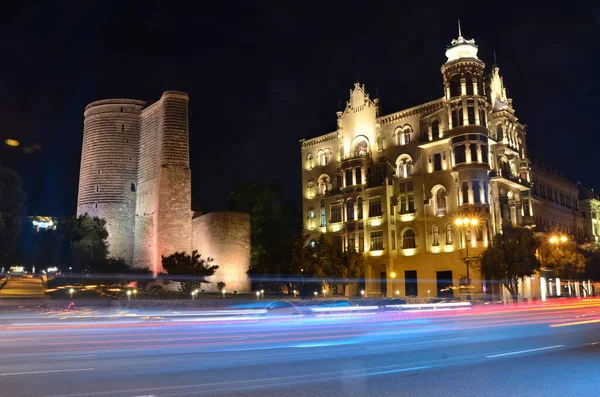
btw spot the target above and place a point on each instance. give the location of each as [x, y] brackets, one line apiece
[128, 294]
[257, 295]
[294, 293]
[398, 293]
[315, 294]
[323, 291]
[135, 292]
[428, 292]
[362, 292]
[194, 295]
[71, 292]
[223, 292]
[262, 292]
[393, 276]
[465, 223]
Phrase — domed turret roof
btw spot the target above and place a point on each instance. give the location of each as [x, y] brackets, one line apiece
[461, 48]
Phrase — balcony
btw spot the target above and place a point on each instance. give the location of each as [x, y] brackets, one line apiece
[511, 180]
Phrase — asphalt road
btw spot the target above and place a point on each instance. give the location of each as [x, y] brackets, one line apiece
[529, 350]
[23, 287]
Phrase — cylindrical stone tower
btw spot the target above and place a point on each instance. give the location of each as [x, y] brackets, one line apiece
[109, 169]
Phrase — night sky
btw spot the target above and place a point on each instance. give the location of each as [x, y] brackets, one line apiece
[262, 75]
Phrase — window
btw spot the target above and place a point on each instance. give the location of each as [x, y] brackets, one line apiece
[476, 192]
[440, 202]
[406, 136]
[436, 235]
[311, 214]
[337, 182]
[437, 162]
[351, 242]
[349, 181]
[484, 154]
[336, 213]
[97, 188]
[407, 198]
[499, 133]
[485, 192]
[323, 218]
[455, 85]
[392, 207]
[309, 161]
[380, 142]
[122, 127]
[375, 207]
[393, 239]
[350, 210]
[411, 287]
[543, 191]
[448, 234]
[435, 128]
[471, 111]
[408, 239]
[377, 241]
[457, 116]
[338, 243]
[473, 150]
[359, 176]
[465, 192]
[133, 187]
[481, 114]
[361, 242]
[361, 148]
[469, 83]
[95, 205]
[311, 190]
[460, 154]
[359, 208]
[404, 166]
[341, 153]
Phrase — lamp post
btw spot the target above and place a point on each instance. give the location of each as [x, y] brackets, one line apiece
[193, 295]
[223, 292]
[393, 275]
[71, 291]
[362, 292]
[465, 224]
[257, 295]
[558, 241]
[128, 294]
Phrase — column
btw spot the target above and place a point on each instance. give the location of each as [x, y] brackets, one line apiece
[476, 108]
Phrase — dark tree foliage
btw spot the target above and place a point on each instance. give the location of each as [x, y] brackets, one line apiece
[511, 257]
[12, 212]
[275, 226]
[189, 270]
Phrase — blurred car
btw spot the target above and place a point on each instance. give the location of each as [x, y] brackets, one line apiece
[440, 300]
[392, 304]
[282, 308]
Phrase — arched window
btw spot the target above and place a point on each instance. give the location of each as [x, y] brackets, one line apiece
[435, 129]
[341, 153]
[350, 210]
[359, 208]
[133, 187]
[448, 234]
[327, 156]
[320, 157]
[404, 166]
[309, 161]
[323, 184]
[505, 167]
[406, 136]
[455, 85]
[380, 142]
[361, 148]
[436, 235]
[408, 239]
[440, 201]
[469, 83]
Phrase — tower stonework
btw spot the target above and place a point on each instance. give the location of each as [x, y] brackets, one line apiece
[135, 174]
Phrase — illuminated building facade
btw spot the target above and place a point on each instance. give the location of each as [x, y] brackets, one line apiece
[135, 174]
[42, 222]
[392, 186]
[589, 204]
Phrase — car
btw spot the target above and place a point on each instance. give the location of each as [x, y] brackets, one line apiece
[440, 300]
[282, 308]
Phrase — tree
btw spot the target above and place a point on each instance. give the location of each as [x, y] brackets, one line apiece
[12, 212]
[511, 257]
[272, 219]
[566, 261]
[221, 285]
[189, 270]
[592, 265]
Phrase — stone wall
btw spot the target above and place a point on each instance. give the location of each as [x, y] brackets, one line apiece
[225, 237]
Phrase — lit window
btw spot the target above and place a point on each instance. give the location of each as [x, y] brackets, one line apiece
[375, 207]
[448, 234]
[323, 218]
[408, 239]
[376, 241]
[309, 161]
[435, 128]
[436, 235]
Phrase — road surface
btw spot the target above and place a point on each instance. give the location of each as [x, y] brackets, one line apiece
[527, 350]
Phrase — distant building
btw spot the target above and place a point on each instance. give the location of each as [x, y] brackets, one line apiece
[589, 203]
[135, 173]
[42, 222]
[392, 186]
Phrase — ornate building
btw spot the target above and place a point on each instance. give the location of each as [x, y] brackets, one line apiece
[135, 173]
[393, 186]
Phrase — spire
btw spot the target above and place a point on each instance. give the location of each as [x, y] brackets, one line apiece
[461, 47]
[459, 32]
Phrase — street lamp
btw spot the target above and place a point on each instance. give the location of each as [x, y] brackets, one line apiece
[393, 275]
[223, 292]
[323, 291]
[194, 295]
[135, 292]
[362, 292]
[466, 223]
[558, 241]
[71, 291]
[428, 291]
[315, 294]
[128, 294]
[262, 292]
[398, 293]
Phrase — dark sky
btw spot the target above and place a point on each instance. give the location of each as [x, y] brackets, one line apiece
[262, 75]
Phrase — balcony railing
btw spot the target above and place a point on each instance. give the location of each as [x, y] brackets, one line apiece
[510, 177]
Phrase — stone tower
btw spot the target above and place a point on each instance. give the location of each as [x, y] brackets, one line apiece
[135, 174]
